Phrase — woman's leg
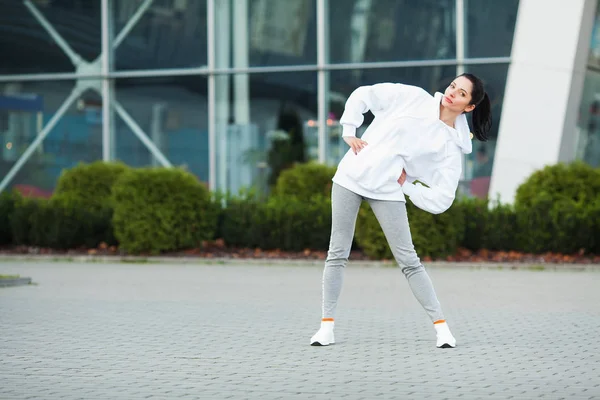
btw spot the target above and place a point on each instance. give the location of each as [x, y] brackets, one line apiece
[393, 219]
[344, 207]
[344, 210]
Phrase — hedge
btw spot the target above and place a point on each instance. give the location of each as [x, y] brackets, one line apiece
[162, 209]
[156, 210]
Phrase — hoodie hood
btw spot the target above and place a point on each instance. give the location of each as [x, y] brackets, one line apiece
[463, 138]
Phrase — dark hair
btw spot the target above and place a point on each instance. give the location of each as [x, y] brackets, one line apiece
[482, 114]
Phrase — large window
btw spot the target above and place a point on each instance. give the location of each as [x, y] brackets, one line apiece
[164, 34]
[26, 109]
[391, 30]
[48, 36]
[490, 26]
[263, 127]
[236, 111]
[170, 112]
[588, 124]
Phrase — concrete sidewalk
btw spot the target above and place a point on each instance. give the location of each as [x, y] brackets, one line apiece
[170, 331]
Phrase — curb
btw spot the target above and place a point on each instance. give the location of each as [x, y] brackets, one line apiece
[15, 282]
[536, 266]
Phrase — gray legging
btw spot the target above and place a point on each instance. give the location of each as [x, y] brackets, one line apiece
[394, 221]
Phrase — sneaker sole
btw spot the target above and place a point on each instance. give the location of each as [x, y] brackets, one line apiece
[446, 346]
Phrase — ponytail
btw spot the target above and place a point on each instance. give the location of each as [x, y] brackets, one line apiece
[482, 113]
[482, 118]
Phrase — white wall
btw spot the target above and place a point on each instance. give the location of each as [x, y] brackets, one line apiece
[543, 90]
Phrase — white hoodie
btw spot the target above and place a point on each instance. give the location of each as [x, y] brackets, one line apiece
[406, 133]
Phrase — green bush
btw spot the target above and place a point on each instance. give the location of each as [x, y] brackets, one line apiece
[58, 224]
[243, 222]
[7, 207]
[21, 219]
[55, 224]
[434, 236]
[162, 209]
[295, 224]
[576, 181]
[554, 206]
[305, 181]
[89, 187]
[90, 184]
[476, 222]
[501, 230]
[282, 222]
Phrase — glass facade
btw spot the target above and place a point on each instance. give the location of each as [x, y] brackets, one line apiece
[588, 127]
[234, 90]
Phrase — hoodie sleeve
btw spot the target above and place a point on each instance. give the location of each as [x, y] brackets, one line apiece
[440, 194]
[375, 98]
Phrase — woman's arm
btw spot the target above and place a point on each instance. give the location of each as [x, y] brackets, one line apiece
[375, 98]
[440, 194]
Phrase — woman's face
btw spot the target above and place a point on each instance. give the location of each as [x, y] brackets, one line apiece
[458, 95]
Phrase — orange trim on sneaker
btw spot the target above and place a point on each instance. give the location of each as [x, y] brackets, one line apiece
[327, 320]
[439, 321]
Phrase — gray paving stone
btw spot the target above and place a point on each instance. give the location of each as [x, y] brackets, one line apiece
[124, 331]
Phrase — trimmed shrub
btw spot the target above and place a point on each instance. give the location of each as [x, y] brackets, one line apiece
[294, 224]
[61, 225]
[500, 232]
[162, 209]
[553, 207]
[7, 207]
[476, 222]
[576, 181]
[282, 222]
[21, 219]
[55, 224]
[89, 187]
[305, 181]
[243, 222]
[90, 183]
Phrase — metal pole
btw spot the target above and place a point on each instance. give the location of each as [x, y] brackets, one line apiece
[106, 56]
[323, 86]
[140, 134]
[131, 23]
[460, 36]
[212, 150]
[41, 136]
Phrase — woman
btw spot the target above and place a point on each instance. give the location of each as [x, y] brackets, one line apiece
[414, 136]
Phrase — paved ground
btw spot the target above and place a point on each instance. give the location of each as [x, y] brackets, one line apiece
[126, 331]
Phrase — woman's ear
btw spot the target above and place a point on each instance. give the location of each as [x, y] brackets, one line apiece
[470, 108]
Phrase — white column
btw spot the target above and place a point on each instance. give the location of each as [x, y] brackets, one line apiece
[108, 126]
[543, 90]
[322, 78]
[241, 174]
[222, 45]
[240, 60]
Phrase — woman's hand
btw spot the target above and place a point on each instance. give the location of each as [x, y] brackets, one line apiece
[355, 143]
[402, 178]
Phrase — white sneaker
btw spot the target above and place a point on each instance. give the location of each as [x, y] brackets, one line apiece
[444, 336]
[324, 336]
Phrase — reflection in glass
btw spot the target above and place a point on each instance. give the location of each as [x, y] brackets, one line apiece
[27, 47]
[173, 113]
[25, 109]
[281, 32]
[588, 126]
[478, 165]
[391, 30]
[264, 127]
[167, 34]
[489, 27]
